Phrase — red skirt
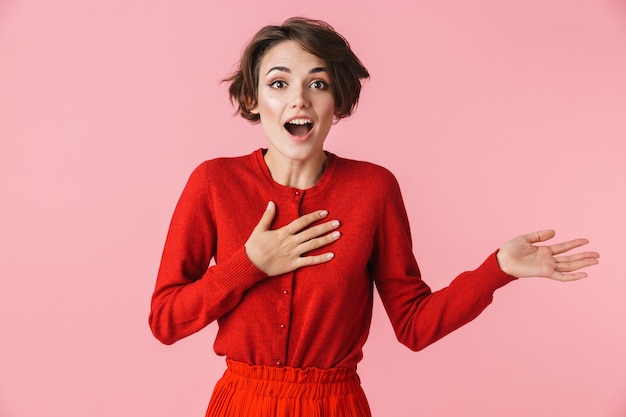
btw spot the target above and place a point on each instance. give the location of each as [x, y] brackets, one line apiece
[266, 391]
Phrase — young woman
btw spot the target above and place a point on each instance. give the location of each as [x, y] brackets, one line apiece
[300, 238]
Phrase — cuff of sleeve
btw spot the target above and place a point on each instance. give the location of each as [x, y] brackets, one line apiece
[239, 273]
[492, 276]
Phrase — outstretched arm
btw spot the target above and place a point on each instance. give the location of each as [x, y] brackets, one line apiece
[521, 258]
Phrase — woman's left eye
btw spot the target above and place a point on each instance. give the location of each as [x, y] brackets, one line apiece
[319, 85]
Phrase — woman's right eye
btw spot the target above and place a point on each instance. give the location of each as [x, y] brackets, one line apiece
[278, 84]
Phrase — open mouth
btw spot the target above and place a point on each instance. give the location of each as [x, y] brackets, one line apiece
[299, 127]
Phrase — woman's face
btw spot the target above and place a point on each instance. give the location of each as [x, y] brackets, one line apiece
[295, 101]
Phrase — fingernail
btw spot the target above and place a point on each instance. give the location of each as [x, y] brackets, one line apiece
[335, 235]
[323, 213]
[334, 223]
[270, 205]
[330, 255]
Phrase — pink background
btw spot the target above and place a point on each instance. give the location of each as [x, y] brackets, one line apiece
[498, 118]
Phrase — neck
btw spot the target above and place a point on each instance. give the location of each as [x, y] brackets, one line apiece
[300, 174]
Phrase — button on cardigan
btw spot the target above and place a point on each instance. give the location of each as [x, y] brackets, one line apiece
[317, 315]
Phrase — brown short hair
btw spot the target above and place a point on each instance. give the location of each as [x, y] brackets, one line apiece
[314, 36]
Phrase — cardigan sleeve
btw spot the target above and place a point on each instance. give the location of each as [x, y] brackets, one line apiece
[189, 294]
[418, 315]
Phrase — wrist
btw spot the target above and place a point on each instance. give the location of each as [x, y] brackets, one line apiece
[504, 263]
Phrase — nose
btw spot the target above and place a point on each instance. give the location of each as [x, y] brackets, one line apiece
[300, 98]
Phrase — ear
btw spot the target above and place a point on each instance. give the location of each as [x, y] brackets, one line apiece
[252, 107]
[336, 116]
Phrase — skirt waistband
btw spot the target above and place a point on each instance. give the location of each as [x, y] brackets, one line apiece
[286, 382]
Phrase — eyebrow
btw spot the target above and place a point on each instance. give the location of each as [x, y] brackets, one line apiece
[285, 69]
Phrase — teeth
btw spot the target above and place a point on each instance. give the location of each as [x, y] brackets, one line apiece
[299, 121]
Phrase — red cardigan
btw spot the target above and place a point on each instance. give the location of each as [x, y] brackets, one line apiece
[318, 315]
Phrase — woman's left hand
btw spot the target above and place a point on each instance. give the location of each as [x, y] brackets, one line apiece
[519, 257]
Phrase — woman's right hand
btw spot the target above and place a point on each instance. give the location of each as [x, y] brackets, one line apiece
[280, 251]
